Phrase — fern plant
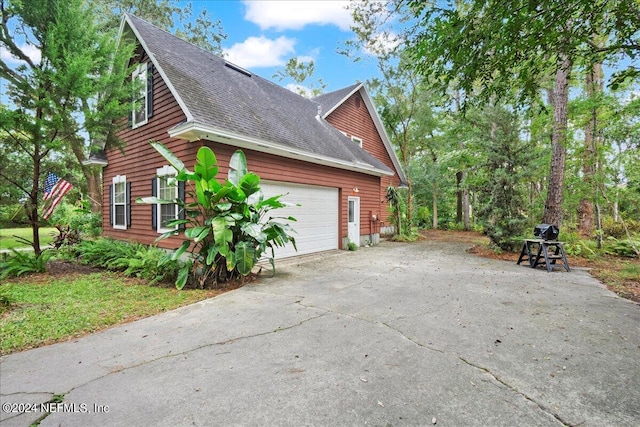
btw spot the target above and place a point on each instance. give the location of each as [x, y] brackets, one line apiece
[22, 262]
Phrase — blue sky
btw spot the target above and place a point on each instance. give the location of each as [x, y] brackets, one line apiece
[263, 35]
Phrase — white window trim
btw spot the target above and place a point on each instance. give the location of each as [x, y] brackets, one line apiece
[140, 72]
[357, 140]
[119, 179]
[160, 173]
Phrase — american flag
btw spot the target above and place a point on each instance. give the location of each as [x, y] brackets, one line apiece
[54, 188]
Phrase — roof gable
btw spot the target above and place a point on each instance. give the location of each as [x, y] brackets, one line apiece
[332, 100]
[225, 103]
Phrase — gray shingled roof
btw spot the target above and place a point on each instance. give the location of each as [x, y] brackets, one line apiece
[329, 100]
[217, 95]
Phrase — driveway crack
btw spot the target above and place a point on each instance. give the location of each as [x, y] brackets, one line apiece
[410, 339]
[542, 407]
[172, 355]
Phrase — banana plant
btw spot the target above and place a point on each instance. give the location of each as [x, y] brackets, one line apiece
[227, 224]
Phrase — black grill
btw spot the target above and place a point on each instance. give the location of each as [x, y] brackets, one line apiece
[546, 231]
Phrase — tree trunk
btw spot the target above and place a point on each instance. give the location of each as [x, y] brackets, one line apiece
[553, 205]
[32, 210]
[594, 87]
[435, 205]
[462, 212]
[409, 204]
[459, 177]
[466, 209]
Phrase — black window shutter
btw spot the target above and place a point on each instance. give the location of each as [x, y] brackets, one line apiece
[149, 90]
[111, 205]
[128, 199]
[154, 207]
[181, 196]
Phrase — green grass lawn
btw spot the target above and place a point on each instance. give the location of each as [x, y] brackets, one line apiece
[43, 309]
[8, 241]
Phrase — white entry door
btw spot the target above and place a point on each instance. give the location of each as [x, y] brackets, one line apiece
[354, 220]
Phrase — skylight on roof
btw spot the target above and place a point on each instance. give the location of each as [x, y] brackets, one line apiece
[237, 68]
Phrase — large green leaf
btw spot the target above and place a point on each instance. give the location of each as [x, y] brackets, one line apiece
[185, 175]
[244, 258]
[178, 252]
[207, 165]
[183, 274]
[197, 233]
[201, 192]
[223, 207]
[237, 167]
[168, 155]
[211, 255]
[235, 194]
[222, 193]
[222, 232]
[231, 261]
[249, 184]
[254, 230]
[272, 202]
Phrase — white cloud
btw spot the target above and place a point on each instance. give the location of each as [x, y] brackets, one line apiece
[31, 51]
[294, 15]
[260, 52]
[305, 59]
[382, 43]
[300, 90]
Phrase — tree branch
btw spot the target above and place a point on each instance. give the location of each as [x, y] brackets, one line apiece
[7, 39]
[16, 183]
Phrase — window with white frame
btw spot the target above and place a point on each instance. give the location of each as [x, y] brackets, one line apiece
[139, 114]
[167, 190]
[357, 140]
[119, 202]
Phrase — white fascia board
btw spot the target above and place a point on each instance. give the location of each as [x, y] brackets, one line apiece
[383, 134]
[95, 162]
[357, 88]
[153, 59]
[193, 131]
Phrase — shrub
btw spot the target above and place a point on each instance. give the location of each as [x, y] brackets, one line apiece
[621, 247]
[352, 246]
[78, 218]
[66, 236]
[616, 228]
[134, 259]
[107, 253]
[24, 262]
[227, 226]
[13, 215]
[575, 245]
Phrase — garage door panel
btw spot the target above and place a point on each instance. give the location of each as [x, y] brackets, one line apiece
[316, 228]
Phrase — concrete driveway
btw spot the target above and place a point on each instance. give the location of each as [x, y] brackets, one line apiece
[397, 334]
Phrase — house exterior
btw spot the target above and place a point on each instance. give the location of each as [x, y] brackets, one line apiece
[330, 154]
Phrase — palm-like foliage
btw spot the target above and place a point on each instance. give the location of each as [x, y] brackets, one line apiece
[227, 224]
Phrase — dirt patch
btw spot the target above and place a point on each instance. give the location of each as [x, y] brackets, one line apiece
[58, 268]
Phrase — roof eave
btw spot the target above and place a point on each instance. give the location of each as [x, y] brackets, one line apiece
[193, 131]
[383, 134]
[339, 103]
[156, 64]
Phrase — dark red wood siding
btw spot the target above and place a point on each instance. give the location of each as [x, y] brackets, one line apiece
[353, 118]
[139, 162]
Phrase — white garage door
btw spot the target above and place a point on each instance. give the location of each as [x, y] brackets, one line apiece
[316, 228]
